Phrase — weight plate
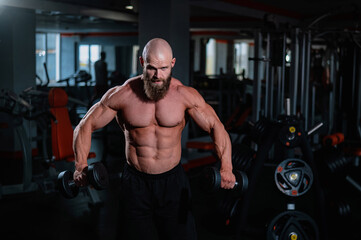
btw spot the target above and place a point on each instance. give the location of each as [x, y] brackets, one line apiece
[211, 179]
[292, 225]
[98, 176]
[66, 185]
[289, 136]
[293, 177]
[242, 181]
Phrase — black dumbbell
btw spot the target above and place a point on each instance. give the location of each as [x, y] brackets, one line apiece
[212, 180]
[97, 177]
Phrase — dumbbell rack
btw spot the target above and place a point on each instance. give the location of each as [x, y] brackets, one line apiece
[270, 136]
[339, 171]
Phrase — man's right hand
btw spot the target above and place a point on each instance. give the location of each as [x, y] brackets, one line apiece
[80, 177]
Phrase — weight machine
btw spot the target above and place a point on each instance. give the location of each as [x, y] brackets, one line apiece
[15, 110]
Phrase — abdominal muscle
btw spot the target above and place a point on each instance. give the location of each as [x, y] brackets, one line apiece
[153, 150]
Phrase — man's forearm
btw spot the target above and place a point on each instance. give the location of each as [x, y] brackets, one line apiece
[81, 147]
[223, 147]
[226, 160]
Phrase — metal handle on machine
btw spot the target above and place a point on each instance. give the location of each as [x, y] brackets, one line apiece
[315, 128]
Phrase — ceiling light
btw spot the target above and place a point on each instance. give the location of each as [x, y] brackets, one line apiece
[130, 7]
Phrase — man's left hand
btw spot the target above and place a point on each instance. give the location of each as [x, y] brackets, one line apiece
[228, 180]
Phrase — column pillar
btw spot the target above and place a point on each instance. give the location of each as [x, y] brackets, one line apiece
[168, 19]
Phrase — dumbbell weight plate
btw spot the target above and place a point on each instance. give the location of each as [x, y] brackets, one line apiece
[241, 181]
[211, 179]
[98, 176]
[66, 185]
[293, 225]
[293, 177]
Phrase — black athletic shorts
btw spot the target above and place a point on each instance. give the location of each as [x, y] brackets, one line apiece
[156, 205]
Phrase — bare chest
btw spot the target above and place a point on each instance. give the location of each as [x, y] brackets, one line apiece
[163, 113]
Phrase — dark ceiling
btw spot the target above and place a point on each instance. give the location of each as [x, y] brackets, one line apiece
[217, 15]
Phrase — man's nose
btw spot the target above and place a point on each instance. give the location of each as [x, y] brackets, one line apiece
[156, 73]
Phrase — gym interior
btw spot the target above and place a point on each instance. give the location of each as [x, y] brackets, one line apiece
[284, 77]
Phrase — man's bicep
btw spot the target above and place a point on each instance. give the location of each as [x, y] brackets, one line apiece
[198, 109]
[99, 115]
[204, 116]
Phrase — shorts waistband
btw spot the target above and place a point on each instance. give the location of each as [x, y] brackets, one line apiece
[152, 176]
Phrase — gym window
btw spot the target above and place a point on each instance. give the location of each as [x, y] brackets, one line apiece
[88, 55]
[48, 52]
[216, 57]
[243, 49]
[211, 57]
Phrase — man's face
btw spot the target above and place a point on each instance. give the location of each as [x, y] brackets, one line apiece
[157, 76]
[155, 88]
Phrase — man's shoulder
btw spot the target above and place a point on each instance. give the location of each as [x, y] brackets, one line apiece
[189, 94]
[126, 94]
[131, 85]
[134, 79]
[183, 89]
[114, 97]
[128, 85]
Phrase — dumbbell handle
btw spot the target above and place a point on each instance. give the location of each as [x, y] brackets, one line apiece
[72, 183]
[214, 179]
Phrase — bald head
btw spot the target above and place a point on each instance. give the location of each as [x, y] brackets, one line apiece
[157, 48]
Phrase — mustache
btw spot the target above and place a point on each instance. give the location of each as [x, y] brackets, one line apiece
[158, 79]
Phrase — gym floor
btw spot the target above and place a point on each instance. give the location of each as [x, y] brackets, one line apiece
[50, 216]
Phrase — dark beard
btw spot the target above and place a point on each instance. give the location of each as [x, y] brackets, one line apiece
[153, 91]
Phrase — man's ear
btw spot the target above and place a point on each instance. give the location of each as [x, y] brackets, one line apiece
[173, 62]
[141, 60]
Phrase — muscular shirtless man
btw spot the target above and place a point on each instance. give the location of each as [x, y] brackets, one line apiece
[152, 110]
